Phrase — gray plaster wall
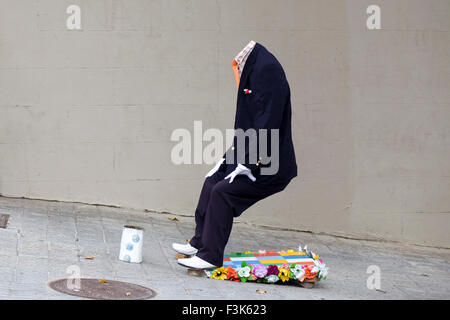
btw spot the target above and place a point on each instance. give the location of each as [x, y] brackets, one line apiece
[87, 115]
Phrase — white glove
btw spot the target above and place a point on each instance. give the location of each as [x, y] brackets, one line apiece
[216, 167]
[240, 169]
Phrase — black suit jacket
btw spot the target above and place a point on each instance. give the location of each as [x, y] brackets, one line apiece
[268, 106]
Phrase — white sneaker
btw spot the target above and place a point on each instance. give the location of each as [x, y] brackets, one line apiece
[186, 249]
[196, 263]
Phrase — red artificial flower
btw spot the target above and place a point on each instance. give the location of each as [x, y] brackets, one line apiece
[232, 274]
[309, 274]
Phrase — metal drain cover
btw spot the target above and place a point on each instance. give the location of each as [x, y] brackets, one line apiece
[104, 289]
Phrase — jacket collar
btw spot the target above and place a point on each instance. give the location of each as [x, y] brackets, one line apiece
[249, 66]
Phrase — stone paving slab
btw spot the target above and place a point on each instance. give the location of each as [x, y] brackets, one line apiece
[43, 239]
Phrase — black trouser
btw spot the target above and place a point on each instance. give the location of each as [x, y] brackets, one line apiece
[221, 201]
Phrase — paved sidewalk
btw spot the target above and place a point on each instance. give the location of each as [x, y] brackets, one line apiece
[44, 238]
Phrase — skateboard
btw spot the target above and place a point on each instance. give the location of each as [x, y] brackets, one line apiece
[304, 259]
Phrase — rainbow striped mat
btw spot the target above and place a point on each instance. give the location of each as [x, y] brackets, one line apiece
[285, 267]
[235, 259]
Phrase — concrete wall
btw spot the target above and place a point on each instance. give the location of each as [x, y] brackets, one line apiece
[87, 115]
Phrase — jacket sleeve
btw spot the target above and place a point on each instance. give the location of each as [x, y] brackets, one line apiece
[267, 108]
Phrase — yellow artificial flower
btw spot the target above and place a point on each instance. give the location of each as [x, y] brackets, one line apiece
[283, 274]
[219, 273]
[290, 251]
[247, 252]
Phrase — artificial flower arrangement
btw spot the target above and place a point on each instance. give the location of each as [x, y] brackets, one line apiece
[272, 273]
